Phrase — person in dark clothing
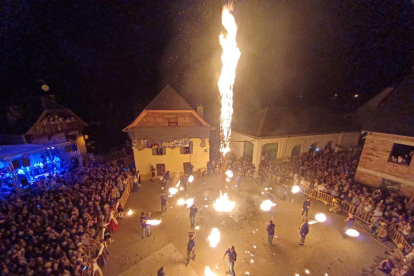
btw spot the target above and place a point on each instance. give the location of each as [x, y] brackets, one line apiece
[143, 220]
[349, 222]
[193, 213]
[303, 230]
[191, 249]
[232, 255]
[285, 192]
[306, 206]
[153, 173]
[167, 178]
[270, 232]
[161, 271]
[238, 182]
[163, 203]
[184, 180]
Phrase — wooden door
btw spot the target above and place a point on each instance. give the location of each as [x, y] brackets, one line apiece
[160, 169]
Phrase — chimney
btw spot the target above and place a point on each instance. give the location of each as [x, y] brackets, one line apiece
[200, 110]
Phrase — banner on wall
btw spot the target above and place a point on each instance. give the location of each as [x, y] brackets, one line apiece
[175, 143]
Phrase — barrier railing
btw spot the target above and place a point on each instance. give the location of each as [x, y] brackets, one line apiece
[396, 236]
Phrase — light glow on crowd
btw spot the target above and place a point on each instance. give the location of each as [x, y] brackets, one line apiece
[230, 57]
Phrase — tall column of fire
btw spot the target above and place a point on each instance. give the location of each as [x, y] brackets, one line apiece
[230, 57]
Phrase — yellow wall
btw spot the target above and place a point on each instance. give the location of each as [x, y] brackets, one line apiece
[173, 160]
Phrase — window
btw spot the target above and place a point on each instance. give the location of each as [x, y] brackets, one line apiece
[269, 151]
[159, 151]
[187, 150]
[172, 120]
[401, 154]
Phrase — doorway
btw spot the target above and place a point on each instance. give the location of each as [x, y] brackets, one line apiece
[160, 169]
[187, 166]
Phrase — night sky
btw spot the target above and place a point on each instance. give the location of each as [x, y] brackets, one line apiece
[107, 61]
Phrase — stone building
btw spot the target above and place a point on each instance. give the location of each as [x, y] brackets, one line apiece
[169, 135]
[388, 129]
[283, 132]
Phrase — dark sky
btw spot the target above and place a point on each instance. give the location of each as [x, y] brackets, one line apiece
[106, 60]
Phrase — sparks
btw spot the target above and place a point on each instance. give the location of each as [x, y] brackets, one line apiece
[173, 191]
[223, 204]
[229, 174]
[208, 272]
[230, 57]
[352, 232]
[267, 205]
[295, 189]
[320, 217]
[153, 222]
[214, 237]
[187, 202]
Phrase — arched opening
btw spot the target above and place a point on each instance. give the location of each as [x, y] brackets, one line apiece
[269, 151]
[248, 149]
[296, 150]
[329, 145]
[314, 147]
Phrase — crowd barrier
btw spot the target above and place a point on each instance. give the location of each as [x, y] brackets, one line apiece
[396, 236]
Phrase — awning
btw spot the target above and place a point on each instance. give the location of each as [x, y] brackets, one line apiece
[17, 150]
[146, 133]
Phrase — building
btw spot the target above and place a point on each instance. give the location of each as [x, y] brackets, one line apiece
[389, 140]
[43, 122]
[169, 135]
[283, 132]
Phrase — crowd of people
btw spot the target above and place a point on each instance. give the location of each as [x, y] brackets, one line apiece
[64, 227]
[332, 171]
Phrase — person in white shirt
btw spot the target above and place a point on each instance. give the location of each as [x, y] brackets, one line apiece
[376, 216]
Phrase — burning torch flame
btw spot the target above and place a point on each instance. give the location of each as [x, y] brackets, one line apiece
[352, 232]
[188, 202]
[295, 189]
[208, 272]
[173, 191]
[190, 179]
[178, 184]
[230, 57]
[229, 174]
[223, 204]
[266, 205]
[153, 222]
[129, 212]
[320, 217]
[214, 237]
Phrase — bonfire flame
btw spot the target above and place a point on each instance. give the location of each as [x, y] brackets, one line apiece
[153, 222]
[214, 237]
[267, 205]
[223, 204]
[189, 202]
[230, 57]
[208, 272]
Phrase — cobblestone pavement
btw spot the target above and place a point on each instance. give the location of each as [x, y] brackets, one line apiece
[326, 252]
